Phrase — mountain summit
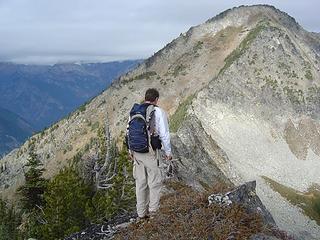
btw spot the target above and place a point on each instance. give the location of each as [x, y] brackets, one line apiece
[243, 92]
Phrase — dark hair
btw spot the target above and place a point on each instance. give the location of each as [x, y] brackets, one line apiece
[151, 95]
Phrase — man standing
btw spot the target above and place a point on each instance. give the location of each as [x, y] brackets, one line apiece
[146, 170]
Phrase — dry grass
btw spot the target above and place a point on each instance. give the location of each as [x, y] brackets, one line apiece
[185, 214]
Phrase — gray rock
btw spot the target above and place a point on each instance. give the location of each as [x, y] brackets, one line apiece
[246, 196]
[199, 155]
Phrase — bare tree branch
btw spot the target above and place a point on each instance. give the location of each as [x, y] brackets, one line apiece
[40, 219]
[122, 191]
[109, 168]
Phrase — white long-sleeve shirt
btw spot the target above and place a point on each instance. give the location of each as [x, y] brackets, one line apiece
[162, 129]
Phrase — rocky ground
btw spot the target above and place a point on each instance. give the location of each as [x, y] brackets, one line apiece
[255, 228]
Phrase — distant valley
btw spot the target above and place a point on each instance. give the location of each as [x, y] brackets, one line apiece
[33, 97]
[13, 130]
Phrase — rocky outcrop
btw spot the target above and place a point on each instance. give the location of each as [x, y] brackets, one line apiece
[246, 196]
[200, 158]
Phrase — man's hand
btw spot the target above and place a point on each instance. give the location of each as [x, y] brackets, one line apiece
[168, 157]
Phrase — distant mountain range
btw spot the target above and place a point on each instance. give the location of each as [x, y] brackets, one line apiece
[43, 94]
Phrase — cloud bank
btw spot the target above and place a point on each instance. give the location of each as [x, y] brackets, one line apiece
[46, 31]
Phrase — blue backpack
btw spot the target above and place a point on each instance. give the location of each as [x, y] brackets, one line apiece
[138, 130]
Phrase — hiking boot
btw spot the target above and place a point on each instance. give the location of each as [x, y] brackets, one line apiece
[152, 214]
[142, 219]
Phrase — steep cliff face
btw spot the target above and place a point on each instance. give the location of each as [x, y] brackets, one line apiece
[262, 110]
[249, 84]
[200, 159]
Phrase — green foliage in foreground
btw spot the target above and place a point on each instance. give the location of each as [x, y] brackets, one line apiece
[121, 196]
[69, 203]
[31, 195]
[9, 221]
[65, 198]
[31, 192]
[177, 118]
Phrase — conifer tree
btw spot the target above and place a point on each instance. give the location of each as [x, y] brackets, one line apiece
[31, 196]
[9, 222]
[66, 197]
[32, 191]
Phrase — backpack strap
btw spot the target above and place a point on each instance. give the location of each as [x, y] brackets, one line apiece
[138, 116]
[149, 112]
[150, 120]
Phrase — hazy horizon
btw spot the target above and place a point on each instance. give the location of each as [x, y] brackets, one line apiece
[48, 32]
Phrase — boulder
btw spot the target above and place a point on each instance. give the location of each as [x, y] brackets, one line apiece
[246, 196]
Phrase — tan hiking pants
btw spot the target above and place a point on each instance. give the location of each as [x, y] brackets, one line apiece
[148, 178]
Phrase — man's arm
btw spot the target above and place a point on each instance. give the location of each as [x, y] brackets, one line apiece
[127, 140]
[162, 128]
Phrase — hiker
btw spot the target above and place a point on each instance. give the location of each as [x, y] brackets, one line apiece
[147, 133]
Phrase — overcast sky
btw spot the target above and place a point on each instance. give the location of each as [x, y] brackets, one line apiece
[50, 31]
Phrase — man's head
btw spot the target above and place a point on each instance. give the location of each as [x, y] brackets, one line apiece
[152, 95]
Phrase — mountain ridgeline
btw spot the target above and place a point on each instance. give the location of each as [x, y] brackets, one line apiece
[242, 91]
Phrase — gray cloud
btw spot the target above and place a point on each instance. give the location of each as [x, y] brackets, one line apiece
[46, 31]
